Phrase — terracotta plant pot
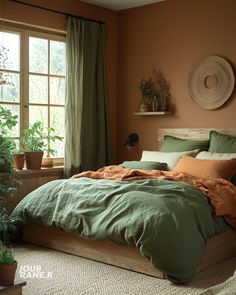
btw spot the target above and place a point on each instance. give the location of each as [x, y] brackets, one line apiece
[47, 162]
[34, 160]
[19, 160]
[7, 274]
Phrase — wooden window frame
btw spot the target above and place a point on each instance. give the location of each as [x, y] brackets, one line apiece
[24, 73]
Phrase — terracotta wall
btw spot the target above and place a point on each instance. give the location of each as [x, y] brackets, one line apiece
[172, 36]
[33, 16]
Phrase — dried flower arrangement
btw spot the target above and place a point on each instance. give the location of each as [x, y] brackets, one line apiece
[155, 93]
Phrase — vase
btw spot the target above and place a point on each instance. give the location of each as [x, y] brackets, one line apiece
[154, 104]
[163, 104]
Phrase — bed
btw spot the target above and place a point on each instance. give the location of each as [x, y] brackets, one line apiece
[117, 248]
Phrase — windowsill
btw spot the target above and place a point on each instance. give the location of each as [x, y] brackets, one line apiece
[52, 171]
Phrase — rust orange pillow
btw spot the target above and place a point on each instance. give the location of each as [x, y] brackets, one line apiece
[207, 168]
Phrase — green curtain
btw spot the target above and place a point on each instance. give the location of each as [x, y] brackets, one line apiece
[87, 143]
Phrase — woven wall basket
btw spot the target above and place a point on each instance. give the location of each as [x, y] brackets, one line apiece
[211, 82]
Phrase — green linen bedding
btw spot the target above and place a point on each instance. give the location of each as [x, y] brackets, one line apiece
[169, 222]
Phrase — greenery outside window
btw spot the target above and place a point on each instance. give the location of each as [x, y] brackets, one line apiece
[35, 66]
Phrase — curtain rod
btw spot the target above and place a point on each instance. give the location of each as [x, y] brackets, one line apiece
[56, 11]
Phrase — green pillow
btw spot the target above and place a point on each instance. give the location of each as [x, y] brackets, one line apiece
[145, 165]
[174, 144]
[222, 143]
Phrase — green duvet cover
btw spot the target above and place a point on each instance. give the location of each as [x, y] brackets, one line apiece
[169, 222]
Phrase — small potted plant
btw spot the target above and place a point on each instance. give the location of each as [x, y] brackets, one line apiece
[9, 183]
[47, 161]
[33, 144]
[8, 265]
[8, 186]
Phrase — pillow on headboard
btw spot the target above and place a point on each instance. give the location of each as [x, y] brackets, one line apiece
[207, 168]
[222, 143]
[215, 156]
[174, 144]
[170, 158]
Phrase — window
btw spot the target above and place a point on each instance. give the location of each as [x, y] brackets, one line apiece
[10, 75]
[33, 64]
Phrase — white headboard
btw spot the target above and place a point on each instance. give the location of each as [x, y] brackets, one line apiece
[190, 133]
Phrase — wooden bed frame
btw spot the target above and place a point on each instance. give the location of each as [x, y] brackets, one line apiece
[218, 249]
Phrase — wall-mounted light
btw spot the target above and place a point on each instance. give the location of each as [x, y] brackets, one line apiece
[131, 140]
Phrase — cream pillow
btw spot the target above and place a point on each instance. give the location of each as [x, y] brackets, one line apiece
[171, 159]
[215, 156]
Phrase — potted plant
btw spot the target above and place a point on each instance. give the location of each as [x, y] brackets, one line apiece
[155, 93]
[47, 160]
[9, 183]
[8, 265]
[33, 144]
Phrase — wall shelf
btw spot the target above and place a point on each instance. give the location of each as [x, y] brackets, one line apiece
[152, 113]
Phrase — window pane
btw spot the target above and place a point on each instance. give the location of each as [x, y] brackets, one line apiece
[57, 120]
[57, 58]
[10, 51]
[38, 113]
[58, 148]
[45, 149]
[10, 92]
[38, 89]
[15, 109]
[57, 91]
[38, 55]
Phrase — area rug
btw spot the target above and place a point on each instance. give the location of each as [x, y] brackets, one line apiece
[226, 288]
[49, 272]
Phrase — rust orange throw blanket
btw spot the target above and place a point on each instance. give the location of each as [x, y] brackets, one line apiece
[221, 193]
